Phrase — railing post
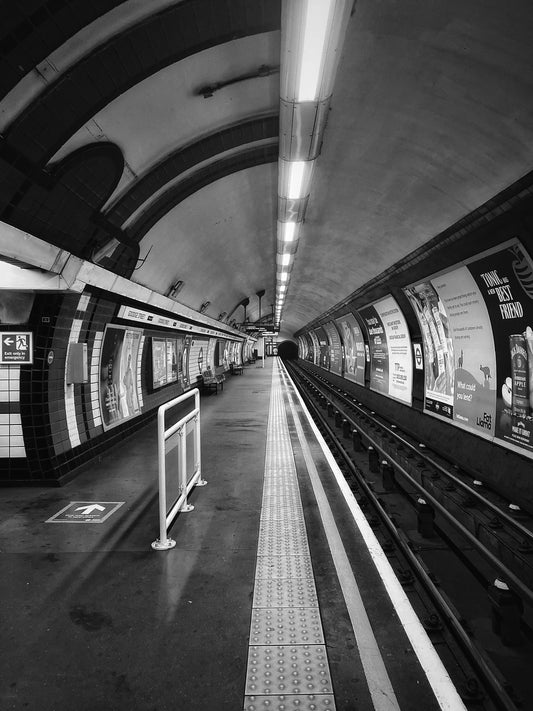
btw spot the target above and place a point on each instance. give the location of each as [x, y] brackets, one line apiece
[163, 543]
[179, 428]
[197, 448]
[182, 432]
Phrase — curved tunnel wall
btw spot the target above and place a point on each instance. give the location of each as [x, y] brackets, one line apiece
[54, 426]
[476, 407]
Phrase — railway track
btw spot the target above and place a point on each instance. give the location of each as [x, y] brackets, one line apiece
[456, 545]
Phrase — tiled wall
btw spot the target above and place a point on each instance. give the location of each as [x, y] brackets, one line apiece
[11, 440]
[49, 427]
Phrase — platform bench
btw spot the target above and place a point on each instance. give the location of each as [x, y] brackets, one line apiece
[209, 382]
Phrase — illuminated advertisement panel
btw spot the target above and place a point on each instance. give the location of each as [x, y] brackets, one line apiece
[354, 348]
[391, 361]
[119, 397]
[316, 347]
[310, 348]
[323, 347]
[458, 348]
[481, 374]
[159, 362]
[302, 347]
[172, 360]
[335, 348]
[505, 280]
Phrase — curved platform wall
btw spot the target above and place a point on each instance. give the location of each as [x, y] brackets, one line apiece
[48, 426]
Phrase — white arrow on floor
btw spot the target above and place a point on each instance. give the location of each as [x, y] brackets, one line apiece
[89, 509]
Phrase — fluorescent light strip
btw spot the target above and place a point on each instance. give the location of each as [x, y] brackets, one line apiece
[286, 259]
[314, 43]
[283, 276]
[296, 179]
[288, 231]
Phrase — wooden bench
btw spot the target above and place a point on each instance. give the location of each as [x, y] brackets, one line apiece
[209, 381]
[236, 369]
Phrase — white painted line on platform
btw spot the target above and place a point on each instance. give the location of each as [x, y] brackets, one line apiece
[439, 679]
[287, 658]
[377, 678]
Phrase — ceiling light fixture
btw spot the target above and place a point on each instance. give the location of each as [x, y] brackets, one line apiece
[316, 28]
[288, 231]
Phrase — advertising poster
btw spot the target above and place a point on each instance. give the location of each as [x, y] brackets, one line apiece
[354, 348]
[335, 348]
[172, 360]
[302, 347]
[159, 362]
[391, 360]
[505, 280]
[316, 347]
[119, 397]
[458, 348]
[323, 347]
[310, 348]
[379, 354]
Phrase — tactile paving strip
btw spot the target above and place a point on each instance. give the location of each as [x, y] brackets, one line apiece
[294, 702]
[284, 566]
[288, 669]
[285, 592]
[287, 661]
[286, 625]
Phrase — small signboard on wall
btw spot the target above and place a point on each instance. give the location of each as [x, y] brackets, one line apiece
[16, 348]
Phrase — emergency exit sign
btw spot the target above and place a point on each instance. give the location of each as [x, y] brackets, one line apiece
[16, 348]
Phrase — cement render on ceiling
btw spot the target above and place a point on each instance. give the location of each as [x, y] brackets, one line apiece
[163, 112]
[432, 115]
[220, 242]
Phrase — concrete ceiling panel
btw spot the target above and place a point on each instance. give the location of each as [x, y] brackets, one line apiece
[432, 115]
[164, 112]
[219, 241]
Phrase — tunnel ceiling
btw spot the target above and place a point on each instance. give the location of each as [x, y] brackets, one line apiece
[156, 124]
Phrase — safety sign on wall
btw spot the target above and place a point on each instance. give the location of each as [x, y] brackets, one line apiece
[85, 512]
[16, 348]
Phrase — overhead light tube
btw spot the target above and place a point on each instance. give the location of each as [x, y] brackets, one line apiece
[287, 231]
[316, 28]
[296, 179]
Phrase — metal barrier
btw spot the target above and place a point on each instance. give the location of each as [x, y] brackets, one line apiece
[178, 432]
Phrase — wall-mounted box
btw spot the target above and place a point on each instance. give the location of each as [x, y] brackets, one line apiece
[77, 370]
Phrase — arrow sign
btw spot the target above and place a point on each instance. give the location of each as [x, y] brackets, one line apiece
[89, 509]
[16, 347]
[86, 512]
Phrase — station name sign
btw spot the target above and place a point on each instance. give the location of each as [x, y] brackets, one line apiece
[16, 348]
[129, 313]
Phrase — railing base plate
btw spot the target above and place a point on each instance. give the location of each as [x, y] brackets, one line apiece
[163, 545]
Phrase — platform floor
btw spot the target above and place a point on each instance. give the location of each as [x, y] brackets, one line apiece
[270, 599]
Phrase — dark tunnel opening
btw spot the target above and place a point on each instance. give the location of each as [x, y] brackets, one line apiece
[288, 350]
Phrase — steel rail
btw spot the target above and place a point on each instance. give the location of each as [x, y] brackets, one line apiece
[502, 569]
[499, 695]
[513, 523]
